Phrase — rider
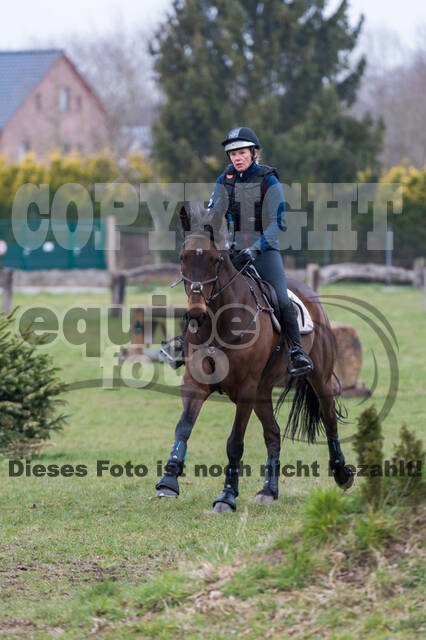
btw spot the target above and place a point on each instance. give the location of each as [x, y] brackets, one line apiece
[255, 244]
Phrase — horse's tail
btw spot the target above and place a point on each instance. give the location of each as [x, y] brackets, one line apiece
[304, 422]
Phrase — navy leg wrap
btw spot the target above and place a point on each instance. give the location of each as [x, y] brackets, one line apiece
[230, 490]
[272, 473]
[336, 456]
[343, 474]
[231, 479]
[174, 468]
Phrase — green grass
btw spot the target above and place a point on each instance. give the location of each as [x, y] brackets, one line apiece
[326, 514]
[100, 554]
[294, 571]
[374, 529]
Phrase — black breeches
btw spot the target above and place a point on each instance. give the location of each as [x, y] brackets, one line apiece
[270, 267]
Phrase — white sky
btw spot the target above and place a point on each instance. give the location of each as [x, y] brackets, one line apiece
[25, 23]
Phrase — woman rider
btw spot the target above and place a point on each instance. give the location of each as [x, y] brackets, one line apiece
[246, 190]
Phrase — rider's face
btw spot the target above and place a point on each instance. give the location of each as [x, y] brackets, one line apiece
[241, 158]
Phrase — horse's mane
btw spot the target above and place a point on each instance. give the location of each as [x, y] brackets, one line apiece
[198, 215]
[197, 219]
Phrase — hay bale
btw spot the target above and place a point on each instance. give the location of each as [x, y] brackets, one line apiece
[349, 359]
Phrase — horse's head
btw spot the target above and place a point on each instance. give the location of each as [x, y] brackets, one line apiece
[200, 259]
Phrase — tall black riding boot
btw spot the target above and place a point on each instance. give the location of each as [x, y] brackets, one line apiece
[302, 364]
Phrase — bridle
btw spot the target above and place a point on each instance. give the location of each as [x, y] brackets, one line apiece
[197, 285]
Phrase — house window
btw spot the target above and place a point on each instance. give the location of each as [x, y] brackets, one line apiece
[64, 99]
[38, 101]
[24, 147]
[79, 102]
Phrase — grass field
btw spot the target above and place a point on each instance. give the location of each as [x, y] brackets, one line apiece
[84, 557]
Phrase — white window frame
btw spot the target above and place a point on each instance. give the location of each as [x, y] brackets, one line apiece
[64, 99]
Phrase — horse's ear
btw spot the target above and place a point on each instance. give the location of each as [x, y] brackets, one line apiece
[185, 218]
[209, 229]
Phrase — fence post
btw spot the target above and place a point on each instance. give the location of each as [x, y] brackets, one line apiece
[111, 244]
[137, 337]
[418, 271]
[313, 276]
[7, 290]
[424, 290]
[118, 290]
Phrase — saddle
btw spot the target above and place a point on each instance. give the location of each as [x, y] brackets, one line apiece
[269, 294]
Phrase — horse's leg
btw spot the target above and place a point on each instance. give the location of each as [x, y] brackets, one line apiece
[193, 397]
[234, 449]
[271, 433]
[343, 475]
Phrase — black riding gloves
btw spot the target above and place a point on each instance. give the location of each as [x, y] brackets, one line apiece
[246, 256]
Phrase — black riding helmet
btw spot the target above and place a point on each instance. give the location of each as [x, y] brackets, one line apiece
[241, 138]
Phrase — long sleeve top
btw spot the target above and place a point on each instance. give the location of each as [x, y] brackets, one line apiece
[273, 211]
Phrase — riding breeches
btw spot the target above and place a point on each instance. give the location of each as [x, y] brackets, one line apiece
[270, 266]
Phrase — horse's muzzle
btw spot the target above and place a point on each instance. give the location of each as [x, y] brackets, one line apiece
[199, 318]
[196, 304]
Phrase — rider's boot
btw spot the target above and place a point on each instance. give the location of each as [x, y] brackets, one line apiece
[302, 363]
[172, 351]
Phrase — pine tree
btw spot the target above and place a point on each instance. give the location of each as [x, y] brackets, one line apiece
[368, 444]
[281, 68]
[409, 456]
[29, 390]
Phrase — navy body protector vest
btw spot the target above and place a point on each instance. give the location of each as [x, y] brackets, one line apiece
[249, 196]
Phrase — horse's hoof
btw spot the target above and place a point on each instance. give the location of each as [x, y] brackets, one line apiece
[262, 498]
[349, 482]
[345, 478]
[166, 493]
[221, 507]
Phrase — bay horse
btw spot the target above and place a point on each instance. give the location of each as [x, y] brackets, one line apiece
[231, 346]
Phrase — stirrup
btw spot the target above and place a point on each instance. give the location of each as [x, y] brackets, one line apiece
[172, 346]
[296, 372]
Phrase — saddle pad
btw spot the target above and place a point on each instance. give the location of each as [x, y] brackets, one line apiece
[303, 316]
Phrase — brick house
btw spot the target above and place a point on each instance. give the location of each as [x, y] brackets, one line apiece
[46, 104]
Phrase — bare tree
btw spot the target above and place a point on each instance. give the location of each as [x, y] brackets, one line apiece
[118, 66]
[394, 87]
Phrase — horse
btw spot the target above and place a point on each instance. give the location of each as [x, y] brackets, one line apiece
[232, 346]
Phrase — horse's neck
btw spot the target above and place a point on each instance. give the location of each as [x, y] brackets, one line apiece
[235, 292]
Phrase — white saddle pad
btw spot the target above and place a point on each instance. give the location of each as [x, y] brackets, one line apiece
[303, 316]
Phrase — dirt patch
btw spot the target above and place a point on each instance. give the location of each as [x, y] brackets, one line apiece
[63, 579]
[16, 629]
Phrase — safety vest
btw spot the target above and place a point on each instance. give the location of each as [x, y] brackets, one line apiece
[250, 198]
